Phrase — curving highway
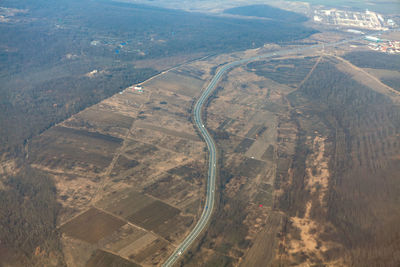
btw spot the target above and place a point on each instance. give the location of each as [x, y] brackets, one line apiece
[210, 193]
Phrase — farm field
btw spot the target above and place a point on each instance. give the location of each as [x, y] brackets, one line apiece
[104, 259]
[92, 226]
[249, 118]
[285, 156]
[130, 183]
[131, 173]
[102, 164]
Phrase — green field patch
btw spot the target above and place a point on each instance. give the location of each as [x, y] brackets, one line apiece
[92, 225]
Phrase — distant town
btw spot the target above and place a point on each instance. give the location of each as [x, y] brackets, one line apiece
[365, 20]
[360, 23]
[385, 46]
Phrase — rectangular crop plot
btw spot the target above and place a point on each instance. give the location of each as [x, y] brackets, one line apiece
[157, 246]
[104, 259]
[191, 173]
[126, 203]
[172, 190]
[255, 131]
[123, 164]
[169, 131]
[251, 168]
[140, 150]
[88, 136]
[67, 147]
[92, 226]
[153, 215]
[173, 228]
[122, 238]
[105, 118]
[269, 153]
[147, 212]
[181, 84]
[244, 145]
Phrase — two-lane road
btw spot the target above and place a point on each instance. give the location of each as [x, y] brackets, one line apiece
[211, 179]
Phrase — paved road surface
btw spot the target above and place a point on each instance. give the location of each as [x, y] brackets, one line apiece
[210, 195]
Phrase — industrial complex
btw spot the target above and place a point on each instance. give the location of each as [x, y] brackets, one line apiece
[366, 20]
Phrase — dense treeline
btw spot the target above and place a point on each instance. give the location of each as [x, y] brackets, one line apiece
[31, 109]
[374, 60]
[393, 82]
[266, 11]
[28, 221]
[285, 71]
[362, 201]
[45, 55]
[378, 60]
[156, 32]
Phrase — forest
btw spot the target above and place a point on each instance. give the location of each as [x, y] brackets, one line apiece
[362, 128]
[374, 60]
[266, 11]
[48, 49]
[47, 52]
[28, 212]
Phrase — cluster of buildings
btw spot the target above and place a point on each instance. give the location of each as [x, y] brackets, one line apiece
[136, 88]
[377, 44]
[386, 46]
[365, 20]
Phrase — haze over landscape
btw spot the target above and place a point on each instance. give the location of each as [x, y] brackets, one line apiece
[199, 133]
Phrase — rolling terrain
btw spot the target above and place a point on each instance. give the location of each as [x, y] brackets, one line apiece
[60, 64]
[58, 58]
[300, 164]
[302, 197]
